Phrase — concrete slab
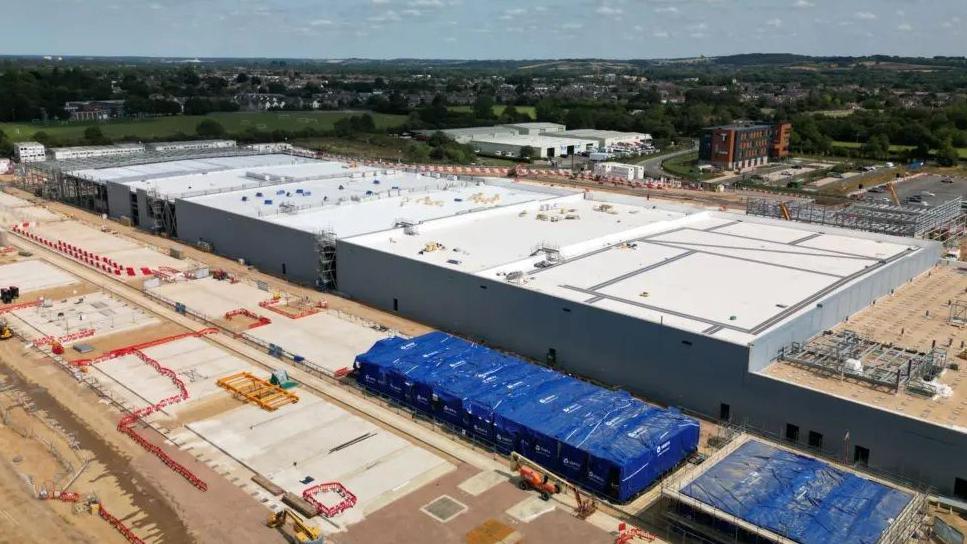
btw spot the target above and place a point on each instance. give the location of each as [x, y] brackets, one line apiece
[323, 338]
[197, 363]
[98, 311]
[530, 509]
[318, 440]
[34, 275]
[481, 482]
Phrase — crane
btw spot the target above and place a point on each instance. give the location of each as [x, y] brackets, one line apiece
[304, 533]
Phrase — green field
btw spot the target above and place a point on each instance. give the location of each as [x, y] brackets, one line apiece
[166, 127]
[686, 166]
[498, 110]
[962, 151]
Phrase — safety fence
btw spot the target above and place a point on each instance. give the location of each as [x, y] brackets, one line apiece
[101, 263]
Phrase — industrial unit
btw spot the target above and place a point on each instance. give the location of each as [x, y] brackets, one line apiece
[712, 312]
[290, 229]
[606, 138]
[542, 146]
[684, 306]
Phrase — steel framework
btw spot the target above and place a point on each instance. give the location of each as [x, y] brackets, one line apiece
[848, 355]
[943, 222]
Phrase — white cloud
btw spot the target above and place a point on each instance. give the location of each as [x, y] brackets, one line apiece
[381, 1]
[660, 34]
[865, 15]
[426, 3]
[776, 22]
[667, 9]
[904, 27]
[388, 15]
[609, 10]
[804, 4]
[412, 12]
[572, 26]
[320, 22]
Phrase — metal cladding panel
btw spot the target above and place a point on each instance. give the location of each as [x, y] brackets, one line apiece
[799, 497]
[604, 440]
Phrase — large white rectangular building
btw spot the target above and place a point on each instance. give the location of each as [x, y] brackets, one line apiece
[544, 147]
[687, 307]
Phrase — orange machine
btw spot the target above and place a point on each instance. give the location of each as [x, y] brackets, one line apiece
[538, 481]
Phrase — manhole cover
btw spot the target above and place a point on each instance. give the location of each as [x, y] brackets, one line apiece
[444, 508]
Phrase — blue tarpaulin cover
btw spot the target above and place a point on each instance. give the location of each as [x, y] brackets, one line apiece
[798, 497]
[606, 441]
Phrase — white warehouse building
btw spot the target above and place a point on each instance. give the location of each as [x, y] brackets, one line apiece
[607, 138]
[545, 147]
[686, 307]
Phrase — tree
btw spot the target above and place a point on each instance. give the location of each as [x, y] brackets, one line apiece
[878, 147]
[947, 155]
[210, 128]
[242, 77]
[483, 107]
[94, 135]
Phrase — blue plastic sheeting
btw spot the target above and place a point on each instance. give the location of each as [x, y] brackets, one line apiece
[606, 441]
[799, 497]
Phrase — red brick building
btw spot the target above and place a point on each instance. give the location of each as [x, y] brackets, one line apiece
[738, 146]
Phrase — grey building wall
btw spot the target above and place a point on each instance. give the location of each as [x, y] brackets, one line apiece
[673, 367]
[839, 306]
[271, 248]
[118, 200]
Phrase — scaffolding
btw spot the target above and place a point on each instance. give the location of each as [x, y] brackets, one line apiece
[850, 356]
[944, 222]
[326, 254]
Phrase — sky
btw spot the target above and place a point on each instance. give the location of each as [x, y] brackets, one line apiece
[484, 29]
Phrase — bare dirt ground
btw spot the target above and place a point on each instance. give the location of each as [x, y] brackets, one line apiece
[158, 504]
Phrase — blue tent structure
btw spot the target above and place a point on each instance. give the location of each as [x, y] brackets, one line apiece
[799, 497]
[606, 441]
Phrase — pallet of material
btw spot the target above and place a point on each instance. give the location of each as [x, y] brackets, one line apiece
[299, 504]
[267, 484]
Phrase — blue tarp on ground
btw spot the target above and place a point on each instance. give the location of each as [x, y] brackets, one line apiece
[607, 441]
[799, 497]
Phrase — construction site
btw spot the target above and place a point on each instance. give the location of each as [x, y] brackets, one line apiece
[158, 389]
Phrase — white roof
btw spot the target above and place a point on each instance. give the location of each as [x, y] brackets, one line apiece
[541, 140]
[595, 133]
[720, 274]
[172, 178]
[535, 125]
[370, 202]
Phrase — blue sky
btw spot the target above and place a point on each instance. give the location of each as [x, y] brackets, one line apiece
[521, 29]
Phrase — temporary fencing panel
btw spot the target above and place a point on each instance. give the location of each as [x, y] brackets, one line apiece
[799, 497]
[605, 440]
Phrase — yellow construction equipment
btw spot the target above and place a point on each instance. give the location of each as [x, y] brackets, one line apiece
[257, 391]
[891, 188]
[5, 332]
[304, 533]
[785, 211]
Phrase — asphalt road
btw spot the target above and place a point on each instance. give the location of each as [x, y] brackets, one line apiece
[653, 167]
